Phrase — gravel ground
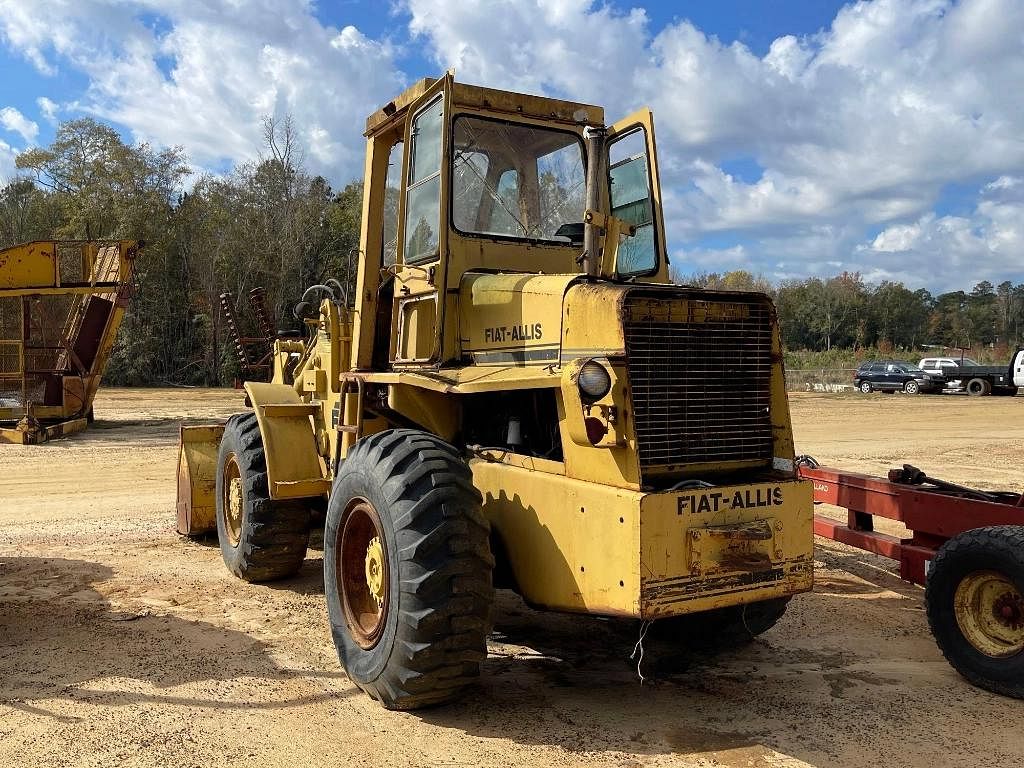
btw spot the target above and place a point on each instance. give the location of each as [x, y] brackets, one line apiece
[122, 643]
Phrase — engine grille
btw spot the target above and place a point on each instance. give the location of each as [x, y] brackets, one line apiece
[700, 377]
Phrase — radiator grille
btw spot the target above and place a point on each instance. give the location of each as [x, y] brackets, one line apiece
[700, 377]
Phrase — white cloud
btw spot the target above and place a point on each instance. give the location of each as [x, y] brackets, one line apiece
[7, 167]
[853, 133]
[204, 76]
[714, 259]
[48, 108]
[12, 120]
[857, 127]
[985, 245]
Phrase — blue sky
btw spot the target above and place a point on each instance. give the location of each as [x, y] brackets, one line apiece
[797, 137]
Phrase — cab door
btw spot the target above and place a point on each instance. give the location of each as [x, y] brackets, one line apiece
[634, 194]
[423, 233]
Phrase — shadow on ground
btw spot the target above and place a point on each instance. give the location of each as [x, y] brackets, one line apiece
[61, 639]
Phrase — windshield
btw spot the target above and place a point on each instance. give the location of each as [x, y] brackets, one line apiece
[516, 180]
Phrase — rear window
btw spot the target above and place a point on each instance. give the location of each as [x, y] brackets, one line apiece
[878, 368]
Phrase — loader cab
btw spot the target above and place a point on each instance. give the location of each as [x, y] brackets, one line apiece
[462, 179]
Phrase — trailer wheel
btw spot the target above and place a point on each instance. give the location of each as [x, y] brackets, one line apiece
[865, 387]
[979, 387]
[975, 604]
[260, 539]
[407, 569]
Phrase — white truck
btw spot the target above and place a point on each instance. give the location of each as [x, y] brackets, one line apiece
[979, 380]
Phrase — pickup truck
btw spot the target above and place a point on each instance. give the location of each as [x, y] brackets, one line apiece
[976, 379]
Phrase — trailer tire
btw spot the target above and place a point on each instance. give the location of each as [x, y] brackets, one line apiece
[979, 387]
[260, 539]
[407, 569]
[975, 604]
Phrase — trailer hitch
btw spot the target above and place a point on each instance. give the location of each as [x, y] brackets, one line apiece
[911, 475]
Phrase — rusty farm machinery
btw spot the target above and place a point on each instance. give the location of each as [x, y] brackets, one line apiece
[61, 303]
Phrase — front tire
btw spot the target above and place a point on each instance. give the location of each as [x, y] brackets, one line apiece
[407, 569]
[260, 539]
[975, 604]
[912, 388]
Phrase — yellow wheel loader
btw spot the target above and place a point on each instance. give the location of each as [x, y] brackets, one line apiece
[515, 396]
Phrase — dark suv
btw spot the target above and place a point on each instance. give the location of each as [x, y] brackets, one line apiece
[893, 375]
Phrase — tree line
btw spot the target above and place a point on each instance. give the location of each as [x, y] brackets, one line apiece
[846, 313]
[272, 223]
[264, 223]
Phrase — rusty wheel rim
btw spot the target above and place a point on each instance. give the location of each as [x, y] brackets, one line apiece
[232, 500]
[363, 574]
[990, 612]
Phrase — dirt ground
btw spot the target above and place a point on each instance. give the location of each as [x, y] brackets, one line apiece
[123, 644]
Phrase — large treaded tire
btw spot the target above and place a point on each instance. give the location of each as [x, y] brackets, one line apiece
[996, 548]
[433, 632]
[274, 535]
[979, 387]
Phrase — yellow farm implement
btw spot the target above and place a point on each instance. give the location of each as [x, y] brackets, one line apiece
[61, 304]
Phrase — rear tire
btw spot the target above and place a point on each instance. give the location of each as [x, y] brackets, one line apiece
[404, 527]
[975, 604]
[979, 387]
[260, 539]
[865, 387]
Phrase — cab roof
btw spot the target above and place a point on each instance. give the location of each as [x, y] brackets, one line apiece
[479, 98]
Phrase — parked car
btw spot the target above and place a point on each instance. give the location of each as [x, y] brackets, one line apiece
[895, 375]
[945, 366]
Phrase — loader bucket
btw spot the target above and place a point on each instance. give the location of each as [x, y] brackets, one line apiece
[197, 479]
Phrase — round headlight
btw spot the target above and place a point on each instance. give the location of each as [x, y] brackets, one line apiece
[594, 381]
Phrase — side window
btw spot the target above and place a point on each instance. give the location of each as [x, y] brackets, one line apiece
[629, 178]
[391, 196]
[878, 368]
[423, 196]
[927, 363]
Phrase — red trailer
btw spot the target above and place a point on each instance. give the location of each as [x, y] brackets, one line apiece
[966, 547]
